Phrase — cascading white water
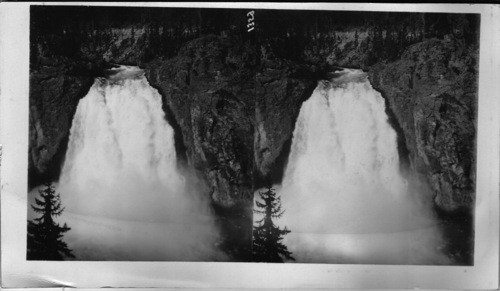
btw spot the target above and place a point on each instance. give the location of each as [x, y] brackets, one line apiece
[124, 197]
[344, 196]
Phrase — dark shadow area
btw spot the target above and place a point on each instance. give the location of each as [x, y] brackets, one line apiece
[278, 169]
[404, 153]
[180, 147]
[236, 225]
[54, 168]
[458, 230]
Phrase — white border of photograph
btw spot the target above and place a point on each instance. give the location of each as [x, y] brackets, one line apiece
[17, 272]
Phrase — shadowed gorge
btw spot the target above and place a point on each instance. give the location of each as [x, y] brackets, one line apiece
[232, 98]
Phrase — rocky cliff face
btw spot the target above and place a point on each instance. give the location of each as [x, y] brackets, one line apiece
[281, 87]
[235, 115]
[209, 89]
[432, 90]
[233, 105]
[55, 89]
[225, 94]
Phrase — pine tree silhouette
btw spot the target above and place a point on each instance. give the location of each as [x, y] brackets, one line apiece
[267, 237]
[44, 234]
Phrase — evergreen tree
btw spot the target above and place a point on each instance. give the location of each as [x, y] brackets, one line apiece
[44, 234]
[267, 237]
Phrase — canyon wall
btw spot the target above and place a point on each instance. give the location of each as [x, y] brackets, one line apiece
[233, 101]
[432, 90]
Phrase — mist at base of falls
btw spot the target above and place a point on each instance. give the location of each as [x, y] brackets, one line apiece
[344, 197]
[125, 198]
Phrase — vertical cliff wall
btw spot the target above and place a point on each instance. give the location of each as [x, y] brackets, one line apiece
[55, 88]
[233, 98]
[209, 88]
[219, 89]
[432, 90]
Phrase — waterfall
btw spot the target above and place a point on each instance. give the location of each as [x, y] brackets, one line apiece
[345, 198]
[125, 198]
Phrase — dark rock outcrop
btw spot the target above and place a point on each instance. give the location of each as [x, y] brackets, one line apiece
[281, 89]
[210, 88]
[432, 90]
[55, 88]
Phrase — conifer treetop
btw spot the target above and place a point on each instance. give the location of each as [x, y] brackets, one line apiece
[44, 234]
[268, 238]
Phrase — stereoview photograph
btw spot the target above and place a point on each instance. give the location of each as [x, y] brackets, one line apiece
[239, 135]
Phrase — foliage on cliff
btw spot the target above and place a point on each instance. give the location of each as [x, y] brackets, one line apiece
[124, 34]
[131, 35]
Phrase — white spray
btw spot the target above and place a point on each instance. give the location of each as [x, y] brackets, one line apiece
[124, 197]
[344, 196]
